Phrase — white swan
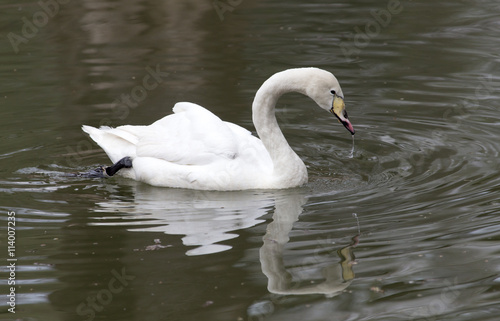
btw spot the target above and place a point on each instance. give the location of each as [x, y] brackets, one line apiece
[193, 148]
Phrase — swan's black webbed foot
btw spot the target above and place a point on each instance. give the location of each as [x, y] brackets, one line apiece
[103, 172]
[125, 162]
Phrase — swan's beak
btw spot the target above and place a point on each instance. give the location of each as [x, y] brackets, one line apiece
[338, 109]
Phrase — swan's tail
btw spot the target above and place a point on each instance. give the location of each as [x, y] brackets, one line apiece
[116, 142]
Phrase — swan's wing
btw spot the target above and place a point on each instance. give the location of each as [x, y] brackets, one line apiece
[191, 136]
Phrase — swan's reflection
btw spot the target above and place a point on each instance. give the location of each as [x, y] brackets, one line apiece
[206, 218]
[337, 275]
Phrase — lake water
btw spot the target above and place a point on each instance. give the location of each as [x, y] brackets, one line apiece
[408, 228]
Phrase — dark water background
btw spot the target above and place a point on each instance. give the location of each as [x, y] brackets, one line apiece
[422, 87]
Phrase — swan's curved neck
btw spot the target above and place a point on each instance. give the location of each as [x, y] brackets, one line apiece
[286, 162]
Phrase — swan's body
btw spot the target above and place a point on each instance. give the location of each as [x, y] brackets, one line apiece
[193, 148]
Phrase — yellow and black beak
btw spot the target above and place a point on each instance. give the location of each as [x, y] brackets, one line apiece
[338, 109]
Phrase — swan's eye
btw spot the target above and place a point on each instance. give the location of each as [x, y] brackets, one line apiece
[333, 92]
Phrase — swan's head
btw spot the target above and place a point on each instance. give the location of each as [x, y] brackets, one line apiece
[325, 90]
[338, 109]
